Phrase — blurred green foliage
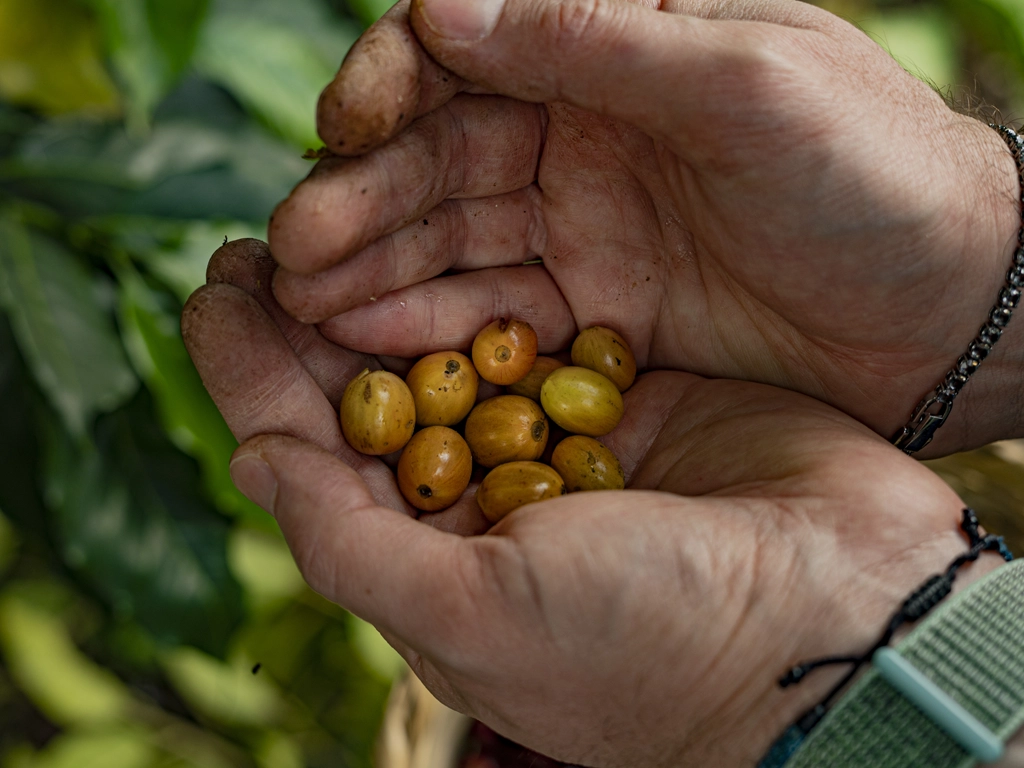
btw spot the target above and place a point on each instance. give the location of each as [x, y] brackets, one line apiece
[138, 588]
[150, 616]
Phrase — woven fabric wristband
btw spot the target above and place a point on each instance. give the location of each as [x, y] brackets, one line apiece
[935, 408]
[972, 648]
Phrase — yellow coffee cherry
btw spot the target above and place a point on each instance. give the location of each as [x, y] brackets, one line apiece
[586, 464]
[510, 486]
[581, 401]
[506, 428]
[530, 386]
[377, 413]
[444, 387]
[434, 468]
[603, 350]
[504, 351]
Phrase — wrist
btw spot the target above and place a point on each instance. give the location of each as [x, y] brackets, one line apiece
[870, 619]
[991, 405]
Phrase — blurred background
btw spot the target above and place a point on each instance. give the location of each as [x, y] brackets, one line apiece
[150, 617]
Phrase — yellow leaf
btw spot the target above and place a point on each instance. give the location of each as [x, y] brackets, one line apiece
[66, 686]
[122, 747]
[50, 58]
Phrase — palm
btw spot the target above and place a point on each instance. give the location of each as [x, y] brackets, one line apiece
[736, 540]
[761, 244]
[659, 617]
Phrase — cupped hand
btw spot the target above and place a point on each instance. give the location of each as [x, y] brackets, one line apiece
[645, 627]
[750, 190]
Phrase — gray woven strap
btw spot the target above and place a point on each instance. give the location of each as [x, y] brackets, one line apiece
[972, 647]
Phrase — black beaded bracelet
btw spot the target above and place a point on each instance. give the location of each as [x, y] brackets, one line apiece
[934, 409]
[919, 603]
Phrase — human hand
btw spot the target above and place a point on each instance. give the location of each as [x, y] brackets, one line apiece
[744, 190]
[645, 627]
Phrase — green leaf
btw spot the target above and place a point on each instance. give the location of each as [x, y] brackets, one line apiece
[121, 746]
[373, 650]
[326, 31]
[67, 337]
[152, 334]
[8, 543]
[19, 446]
[50, 58]
[921, 39]
[996, 27]
[270, 69]
[278, 750]
[181, 170]
[133, 525]
[225, 691]
[275, 58]
[66, 686]
[149, 43]
[264, 566]
[369, 11]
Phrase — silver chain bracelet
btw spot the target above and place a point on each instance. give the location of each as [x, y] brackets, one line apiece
[934, 409]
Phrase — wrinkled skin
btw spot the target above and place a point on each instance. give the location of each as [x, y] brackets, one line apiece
[644, 627]
[751, 190]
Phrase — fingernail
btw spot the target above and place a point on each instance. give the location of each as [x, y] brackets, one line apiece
[461, 19]
[255, 479]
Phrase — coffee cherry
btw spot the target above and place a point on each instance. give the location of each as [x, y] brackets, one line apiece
[506, 428]
[377, 413]
[504, 351]
[510, 486]
[587, 465]
[443, 387]
[434, 468]
[603, 350]
[529, 386]
[581, 401]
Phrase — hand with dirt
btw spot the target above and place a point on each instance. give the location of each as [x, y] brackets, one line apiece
[645, 627]
[751, 190]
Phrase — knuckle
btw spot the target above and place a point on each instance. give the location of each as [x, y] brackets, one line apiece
[575, 22]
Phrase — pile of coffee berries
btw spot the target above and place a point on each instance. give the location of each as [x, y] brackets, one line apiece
[507, 434]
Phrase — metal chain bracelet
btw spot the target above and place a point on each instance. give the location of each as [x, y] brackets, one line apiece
[935, 408]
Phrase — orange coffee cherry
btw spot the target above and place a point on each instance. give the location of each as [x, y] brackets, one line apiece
[603, 350]
[586, 464]
[377, 413]
[504, 351]
[510, 486]
[529, 386]
[434, 468]
[581, 401]
[444, 387]
[506, 428]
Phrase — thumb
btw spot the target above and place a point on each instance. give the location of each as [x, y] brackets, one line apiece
[646, 67]
[404, 577]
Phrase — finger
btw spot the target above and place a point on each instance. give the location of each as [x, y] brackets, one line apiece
[448, 312]
[647, 406]
[616, 59]
[386, 81]
[247, 264]
[503, 230]
[260, 386]
[407, 578]
[782, 12]
[353, 119]
[473, 146]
